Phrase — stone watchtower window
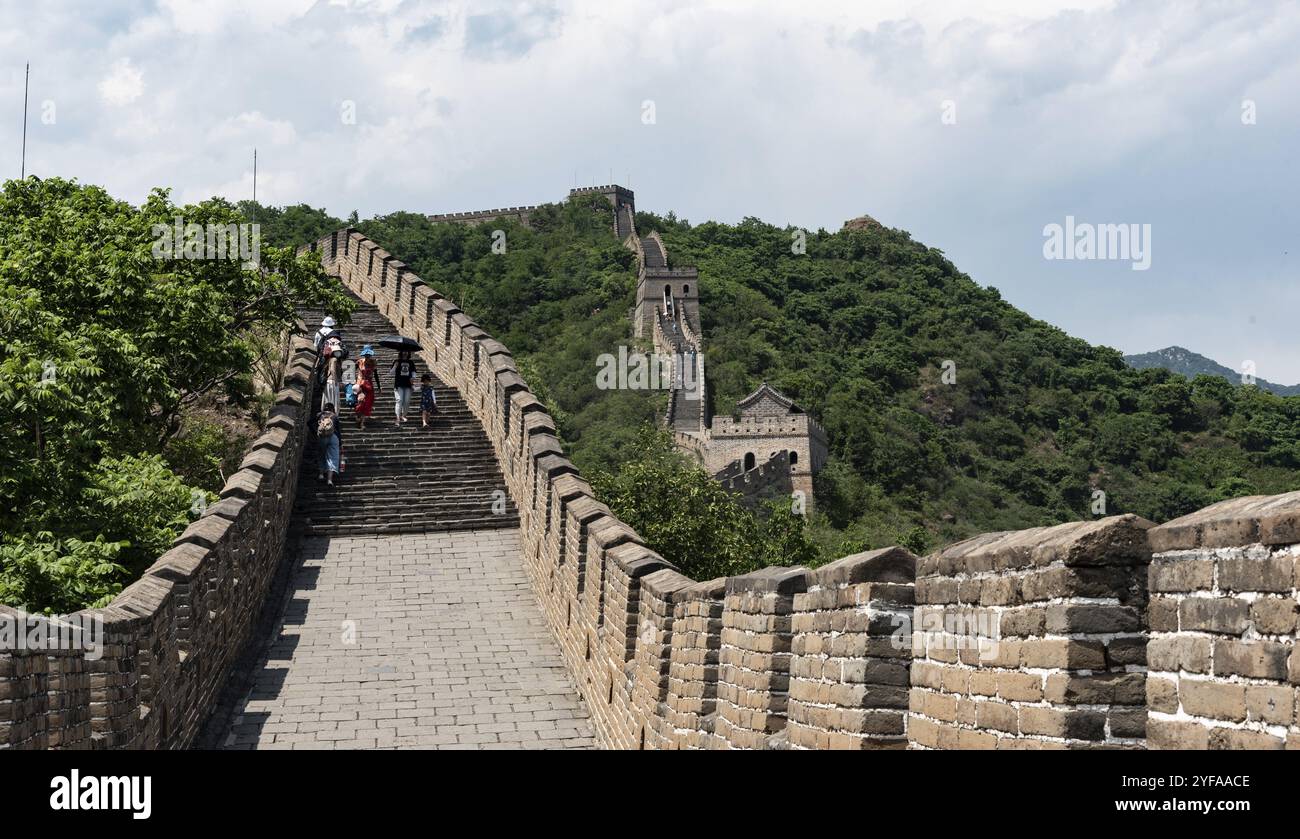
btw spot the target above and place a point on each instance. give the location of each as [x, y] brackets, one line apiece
[794, 458]
[749, 461]
[686, 291]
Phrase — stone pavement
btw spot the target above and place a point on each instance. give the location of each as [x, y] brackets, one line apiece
[413, 641]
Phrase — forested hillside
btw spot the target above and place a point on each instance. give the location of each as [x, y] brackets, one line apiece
[128, 387]
[132, 381]
[1189, 364]
[858, 330]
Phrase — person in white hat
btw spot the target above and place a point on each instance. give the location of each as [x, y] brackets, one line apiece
[326, 327]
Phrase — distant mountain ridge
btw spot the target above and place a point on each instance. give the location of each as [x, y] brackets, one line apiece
[1187, 363]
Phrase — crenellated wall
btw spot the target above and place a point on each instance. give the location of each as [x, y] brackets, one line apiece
[661, 660]
[1033, 639]
[173, 635]
[1029, 639]
[1040, 638]
[1224, 663]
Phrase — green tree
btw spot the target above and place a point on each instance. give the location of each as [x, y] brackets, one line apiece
[109, 342]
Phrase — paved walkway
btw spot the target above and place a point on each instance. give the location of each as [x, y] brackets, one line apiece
[420, 641]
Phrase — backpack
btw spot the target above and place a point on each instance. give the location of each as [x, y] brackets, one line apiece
[325, 425]
[334, 348]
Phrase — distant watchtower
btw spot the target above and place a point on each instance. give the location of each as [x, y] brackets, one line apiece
[623, 200]
[660, 289]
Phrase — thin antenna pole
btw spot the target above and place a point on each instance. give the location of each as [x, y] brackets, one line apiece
[254, 174]
[26, 80]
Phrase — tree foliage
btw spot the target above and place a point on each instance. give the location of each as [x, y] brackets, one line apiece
[1036, 428]
[107, 348]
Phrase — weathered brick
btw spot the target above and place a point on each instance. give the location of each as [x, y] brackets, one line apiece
[1253, 659]
[1177, 734]
[1179, 574]
[1020, 687]
[1274, 615]
[1127, 722]
[1235, 738]
[997, 716]
[1256, 574]
[1273, 705]
[1179, 652]
[1162, 694]
[1098, 689]
[1093, 619]
[1063, 653]
[1056, 722]
[1162, 614]
[1217, 700]
[1225, 615]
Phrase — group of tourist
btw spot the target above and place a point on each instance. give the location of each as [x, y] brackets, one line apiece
[359, 393]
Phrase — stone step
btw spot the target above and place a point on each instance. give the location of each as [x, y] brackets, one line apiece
[405, 479]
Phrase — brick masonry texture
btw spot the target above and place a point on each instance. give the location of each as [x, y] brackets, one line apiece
[1225, 593]
[1033, 639]
[661, 661]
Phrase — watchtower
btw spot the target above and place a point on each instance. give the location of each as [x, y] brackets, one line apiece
[656, 287]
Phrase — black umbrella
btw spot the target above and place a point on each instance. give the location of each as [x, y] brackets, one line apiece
[400, 342]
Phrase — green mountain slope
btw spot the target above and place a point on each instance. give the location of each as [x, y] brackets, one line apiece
[1186, 363]
[1036, 427]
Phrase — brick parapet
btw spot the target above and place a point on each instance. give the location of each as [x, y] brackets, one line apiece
[170, 638]
[1033, 639]
[1224, 666]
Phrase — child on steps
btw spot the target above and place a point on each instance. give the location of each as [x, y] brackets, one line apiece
[428, 400]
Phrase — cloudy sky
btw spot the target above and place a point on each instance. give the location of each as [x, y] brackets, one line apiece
[972, 125]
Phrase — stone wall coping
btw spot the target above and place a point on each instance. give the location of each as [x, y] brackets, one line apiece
[636, 560]
[715, 589]
[445, 306]
[610, 532]
[570, 485]
[665, 583]
[885, 565]
[1255, 519]
[554, 465]
[771, 580]
[1115, 540]
[540, 443]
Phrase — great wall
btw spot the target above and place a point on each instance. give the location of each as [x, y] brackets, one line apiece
[1109, 633]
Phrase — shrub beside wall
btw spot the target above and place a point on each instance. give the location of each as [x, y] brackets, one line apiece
[173, 635]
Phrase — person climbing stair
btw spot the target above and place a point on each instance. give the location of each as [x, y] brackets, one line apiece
[403, 372]
[428, 400]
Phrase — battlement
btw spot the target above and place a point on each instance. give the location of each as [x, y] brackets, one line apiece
[1109, 632]
[172, 638]
[620, 197]
[520, 214]
[622, 192]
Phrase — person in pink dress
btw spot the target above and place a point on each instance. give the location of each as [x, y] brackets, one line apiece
[367, 382]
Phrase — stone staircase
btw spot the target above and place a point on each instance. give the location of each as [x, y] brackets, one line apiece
[408, 479]
[623, 224]
[651, 254]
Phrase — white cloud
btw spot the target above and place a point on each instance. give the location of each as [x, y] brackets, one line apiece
[123, 85]
[253, 127]
[808, 113]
